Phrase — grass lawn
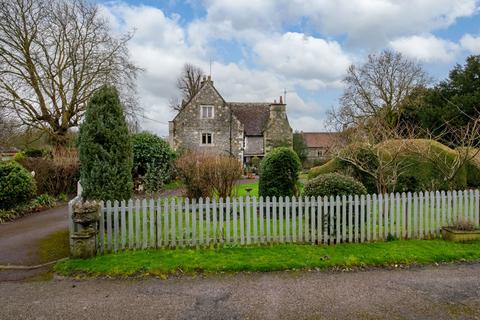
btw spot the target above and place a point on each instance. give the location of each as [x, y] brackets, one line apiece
[270, 258]
[240, 190]
[172, 185]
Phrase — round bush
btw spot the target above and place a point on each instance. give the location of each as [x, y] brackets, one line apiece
[333, 184]
[279, 173]
[152, 158]
[16, 185]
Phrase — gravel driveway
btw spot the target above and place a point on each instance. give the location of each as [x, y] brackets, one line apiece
[443, 292]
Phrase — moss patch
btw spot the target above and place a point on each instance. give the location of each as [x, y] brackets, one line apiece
[55, 246]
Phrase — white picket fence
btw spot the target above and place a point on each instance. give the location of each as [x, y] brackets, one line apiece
[158, 223]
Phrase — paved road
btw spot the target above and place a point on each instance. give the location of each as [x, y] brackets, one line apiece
[444, 292]
[19, 239]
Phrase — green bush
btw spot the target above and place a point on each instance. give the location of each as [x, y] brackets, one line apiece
[45, 201]
[369, 159]
[364, 154]
[333, 184]
[152, 161]
[16, 185]
[35, 152]
[279, 173]
[473, 168]
[105, 149]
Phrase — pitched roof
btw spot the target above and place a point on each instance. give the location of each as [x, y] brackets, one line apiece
[253, 116]
[320, 139]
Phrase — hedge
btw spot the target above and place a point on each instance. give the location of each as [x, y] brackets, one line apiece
[419, 173]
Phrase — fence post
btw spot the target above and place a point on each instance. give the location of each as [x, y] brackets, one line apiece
[85, 216]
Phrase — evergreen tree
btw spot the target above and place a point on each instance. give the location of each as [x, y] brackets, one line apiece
[454, 101]
[299, 146]
[105, 149]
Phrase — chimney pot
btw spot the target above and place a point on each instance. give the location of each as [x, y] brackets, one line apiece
[209, 78]
[275, 101]
[281, 100]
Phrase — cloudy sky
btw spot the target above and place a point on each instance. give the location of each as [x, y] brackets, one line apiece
[260, 48]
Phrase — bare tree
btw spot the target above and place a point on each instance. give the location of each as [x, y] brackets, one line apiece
[188, 83]
[53, 55]
[376, 89]
[175, 104]
[7, 128]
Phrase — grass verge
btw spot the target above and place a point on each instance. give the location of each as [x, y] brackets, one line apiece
[270, 258]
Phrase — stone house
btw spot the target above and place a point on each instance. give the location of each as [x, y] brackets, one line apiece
[320, 145]
[208, 123]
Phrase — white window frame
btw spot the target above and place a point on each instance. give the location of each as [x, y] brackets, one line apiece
[207, 106]
[211, 139]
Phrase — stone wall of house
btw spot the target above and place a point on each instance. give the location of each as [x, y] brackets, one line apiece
[253, 145]
[278, 131]
[188, 126]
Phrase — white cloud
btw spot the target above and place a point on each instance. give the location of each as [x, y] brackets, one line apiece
[364, 22]
[470, 43]
[307, 123]
[245, 14]
[159, 46]
[378, 21]
[427, 48]
[314, 61]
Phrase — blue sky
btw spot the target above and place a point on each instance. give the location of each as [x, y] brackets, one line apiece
[259, 48]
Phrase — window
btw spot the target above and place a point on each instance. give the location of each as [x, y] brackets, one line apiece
[206, 138]
[206, 112]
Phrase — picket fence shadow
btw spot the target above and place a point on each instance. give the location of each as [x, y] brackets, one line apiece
[179, 222]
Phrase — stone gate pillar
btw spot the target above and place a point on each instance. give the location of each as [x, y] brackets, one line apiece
[85, 217]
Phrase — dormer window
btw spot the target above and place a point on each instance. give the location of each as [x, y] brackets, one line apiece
[206, 112]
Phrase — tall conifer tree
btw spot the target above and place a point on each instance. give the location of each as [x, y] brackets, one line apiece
[105, 149]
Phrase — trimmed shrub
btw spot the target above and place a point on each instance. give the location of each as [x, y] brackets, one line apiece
[152, 161]
[418, 174]
[332, 165]
[473, 168]
[105, 149]
[16, 185]
[333, 184]
[279, 173]
[421, 173]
